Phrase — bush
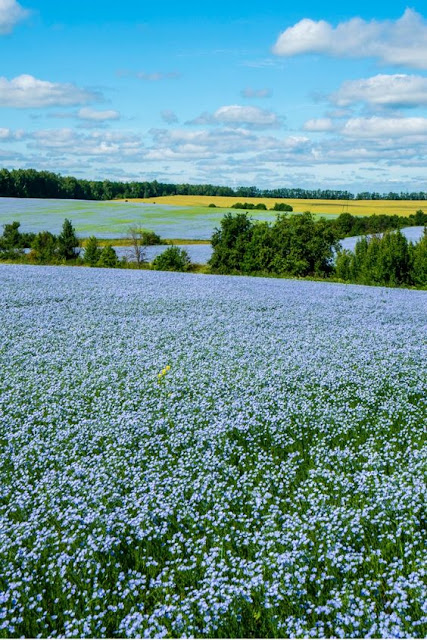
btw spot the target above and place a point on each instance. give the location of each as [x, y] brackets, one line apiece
[229, 243]
[212, 205]
[386, 260]
[173, 259]
[419, 261]
[150, 238]
[282, 206]
[43, 248]
[108, 257]
[92, 252]
[294, 245]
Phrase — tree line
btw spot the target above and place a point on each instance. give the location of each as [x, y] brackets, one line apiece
[296, 245]
[49, 249]
[29, 183]
[301, 246]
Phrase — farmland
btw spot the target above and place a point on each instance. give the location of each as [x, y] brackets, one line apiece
[176, 217]
[193, 455]
[323, 207]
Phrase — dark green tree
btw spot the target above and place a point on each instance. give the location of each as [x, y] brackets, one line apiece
[108, 257]
[92, 252]
[43, 248]
[12, 237]
[68, 242]
[343, 265]
[418, 270]
[229, 243]
[172, 259]
[282, 206]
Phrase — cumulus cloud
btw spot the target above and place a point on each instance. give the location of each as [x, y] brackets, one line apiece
[383, 90]
[383, 128]
[93, 115]
[319, 124]
[110, 144]
[255, 93]
[169, 116]
[11, 12]
[25, 92]
[400, 42]
[236, 115]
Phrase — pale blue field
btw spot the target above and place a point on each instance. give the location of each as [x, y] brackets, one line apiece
[209, 456]
[112, 219]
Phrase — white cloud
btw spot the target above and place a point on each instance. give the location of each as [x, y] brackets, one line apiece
[319, 124]
[11, 13]
[87, 113]
[383, 128]
[7, 135]
[256, 93]
[25, 91]
[236, 115]
[401, 42]
[169, 116]
[66, 141]
[383, 90]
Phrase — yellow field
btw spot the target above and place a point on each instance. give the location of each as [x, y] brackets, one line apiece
[355, 207]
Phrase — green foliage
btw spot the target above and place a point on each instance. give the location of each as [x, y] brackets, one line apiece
[419, 261]
[150, 238]
[29, 183]
[346, 225]
[92, 252]
[386, 260]
[282, 206]
[108, 257]
[172, 259]
[11, 238]
[343, 265]
[212, 206]
[420, 218]
[249, 206]
[13, 241]
[68, 242]
[43, 248]
[229, 243]
[294, 245]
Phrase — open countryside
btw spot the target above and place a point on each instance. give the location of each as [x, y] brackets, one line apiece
[213, 328]
[173, 217]
[321, 207]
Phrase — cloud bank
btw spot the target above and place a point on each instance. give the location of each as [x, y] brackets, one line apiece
[25, 92]
[396, 42]
[383, 90]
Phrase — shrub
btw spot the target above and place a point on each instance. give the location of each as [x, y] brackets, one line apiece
[43, 248]
[282, 206]
[92, 252]
[172, 259]
[108, 257]
[419, 261]
[150, 238]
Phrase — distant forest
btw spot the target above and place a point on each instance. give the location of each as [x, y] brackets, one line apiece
[29, 183]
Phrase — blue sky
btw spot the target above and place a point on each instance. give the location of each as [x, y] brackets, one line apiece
[265, 93]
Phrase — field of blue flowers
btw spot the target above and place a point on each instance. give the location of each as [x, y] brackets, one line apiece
[188, 455]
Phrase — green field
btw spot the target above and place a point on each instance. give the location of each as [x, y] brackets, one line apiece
[177, 217]
[112, 219]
